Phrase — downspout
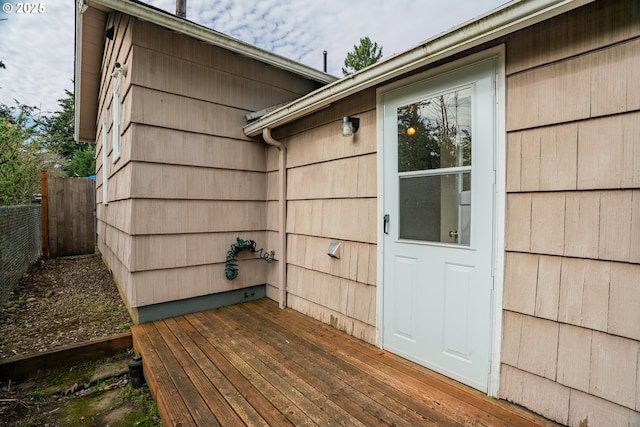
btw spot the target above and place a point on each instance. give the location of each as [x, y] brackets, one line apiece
[282, 207]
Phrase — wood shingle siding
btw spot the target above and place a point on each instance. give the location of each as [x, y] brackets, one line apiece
[571, 328]
[188, 181]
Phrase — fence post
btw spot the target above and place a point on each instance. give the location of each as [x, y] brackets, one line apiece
[44, 213]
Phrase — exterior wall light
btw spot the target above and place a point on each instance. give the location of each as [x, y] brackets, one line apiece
[350, 125]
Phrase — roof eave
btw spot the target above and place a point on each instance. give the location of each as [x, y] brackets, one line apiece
[76, 74]
[150, 14]
[504, 20]
[189, 28]
[88, 54]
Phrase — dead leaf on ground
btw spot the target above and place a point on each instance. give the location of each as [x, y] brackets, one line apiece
[71, 389]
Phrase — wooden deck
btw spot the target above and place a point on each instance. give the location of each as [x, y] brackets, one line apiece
[254, 364]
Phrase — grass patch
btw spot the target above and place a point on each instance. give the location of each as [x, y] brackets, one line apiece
[78, 374]
[123, 327]
[109, 401]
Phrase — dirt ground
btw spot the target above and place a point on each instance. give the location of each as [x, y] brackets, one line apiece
[60, 302]
[93, 394]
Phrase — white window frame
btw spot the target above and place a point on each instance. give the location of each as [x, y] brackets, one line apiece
[105, 157]
[117, 112]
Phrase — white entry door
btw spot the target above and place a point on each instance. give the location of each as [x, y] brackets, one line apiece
[438, 201]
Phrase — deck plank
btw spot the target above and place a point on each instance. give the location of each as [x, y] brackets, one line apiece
[331, 397]
[286, 406]
[244, 389]
[257, 365]
[219, 407]
[224, 392]
[307, 364]
[316, 406]
[376, 398]
[171, 408]
[454, 399]
[199, 410]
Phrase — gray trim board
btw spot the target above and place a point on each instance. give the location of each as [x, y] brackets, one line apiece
[149, 313]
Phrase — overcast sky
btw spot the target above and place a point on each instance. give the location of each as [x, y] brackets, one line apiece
[38, 48]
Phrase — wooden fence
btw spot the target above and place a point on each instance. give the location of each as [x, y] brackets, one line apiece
[68, 216]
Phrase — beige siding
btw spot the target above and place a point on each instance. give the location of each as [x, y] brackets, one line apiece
[357, 260]
[188, 182]
[166, 181]
[571, 338]
[218, 84]
[331, 197]
[347, 219]
[624, 316]
[342, 178]
[159, 216]
[586, 29]
[617, 161]
[163, 109]
[576, 88]
[588, 408]
[170, 146]
[159, 251]
[336, 319]
[537, 393]
[543, 159]
[167, 44]
[170, 284]
[114, 218]
[112, 254]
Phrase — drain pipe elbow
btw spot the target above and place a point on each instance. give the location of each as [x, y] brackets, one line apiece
[282, 217]
[266, 135]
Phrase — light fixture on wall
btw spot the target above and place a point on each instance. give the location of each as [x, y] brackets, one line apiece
[119, 69]
[109, 33]
[350, 125]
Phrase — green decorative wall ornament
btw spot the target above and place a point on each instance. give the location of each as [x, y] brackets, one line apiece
[231, 268]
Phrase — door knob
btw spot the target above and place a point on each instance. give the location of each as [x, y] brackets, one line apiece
[453, 234]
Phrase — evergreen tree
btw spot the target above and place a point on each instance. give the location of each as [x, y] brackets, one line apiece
[363, 55]
[58, 137]
[58, 128]
[82, 162]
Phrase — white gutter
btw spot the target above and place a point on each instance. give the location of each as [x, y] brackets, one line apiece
[506, 19]
[282, 212]
[194, 30]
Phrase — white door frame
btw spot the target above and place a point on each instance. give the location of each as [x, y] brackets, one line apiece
[499, 197]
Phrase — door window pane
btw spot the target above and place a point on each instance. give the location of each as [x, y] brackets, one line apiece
[435, 133]
[436, 208]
